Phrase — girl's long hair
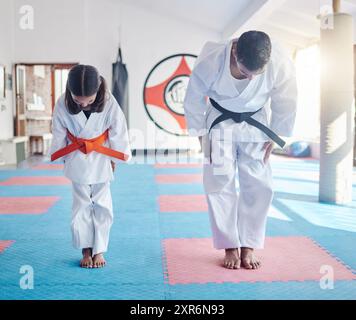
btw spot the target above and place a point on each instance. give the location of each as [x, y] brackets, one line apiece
[85, 81]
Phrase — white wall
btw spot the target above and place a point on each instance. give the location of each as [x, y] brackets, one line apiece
[87, 31]
[58, 34]
[147, 39]
[6, 51]
[307, 125]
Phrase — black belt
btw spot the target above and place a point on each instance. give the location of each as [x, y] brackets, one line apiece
[247, 117]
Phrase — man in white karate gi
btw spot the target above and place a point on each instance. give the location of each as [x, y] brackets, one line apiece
[241, 98]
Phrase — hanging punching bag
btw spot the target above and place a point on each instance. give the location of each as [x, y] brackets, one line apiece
[120, 84]
[337, 110]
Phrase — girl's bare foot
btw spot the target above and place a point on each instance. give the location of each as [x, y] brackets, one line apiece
[98, 261]
[248, 259]
[87, 261]
[232, 259]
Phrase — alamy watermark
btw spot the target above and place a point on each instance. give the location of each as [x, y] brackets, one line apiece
[27, 280]
[326, 15]
[27, 17]
[327, 280]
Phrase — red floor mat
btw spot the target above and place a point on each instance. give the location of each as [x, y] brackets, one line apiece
[26, 205]
[179, 178]
[35, 181]
[182, 203]
[283, 259]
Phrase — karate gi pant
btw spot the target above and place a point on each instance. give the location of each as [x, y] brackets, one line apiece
[237, 220]
[92, 216]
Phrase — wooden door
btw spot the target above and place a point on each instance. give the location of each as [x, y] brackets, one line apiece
[20, 118]
[56, 71]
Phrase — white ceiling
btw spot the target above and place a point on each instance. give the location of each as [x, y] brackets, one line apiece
[294, 22]
[210, 14]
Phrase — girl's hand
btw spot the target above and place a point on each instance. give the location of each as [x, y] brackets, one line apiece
[268, 146]
[113, 166]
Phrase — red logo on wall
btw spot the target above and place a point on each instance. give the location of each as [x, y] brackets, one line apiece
[164, 92]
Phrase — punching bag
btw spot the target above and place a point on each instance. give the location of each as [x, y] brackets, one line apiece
[120, 84]
[337, 110]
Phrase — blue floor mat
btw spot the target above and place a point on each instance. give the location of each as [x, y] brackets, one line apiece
[135, 258]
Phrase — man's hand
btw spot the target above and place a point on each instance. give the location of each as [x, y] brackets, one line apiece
[113, 166]
[268, 146]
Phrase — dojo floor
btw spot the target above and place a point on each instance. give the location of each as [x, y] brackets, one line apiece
[160, 245]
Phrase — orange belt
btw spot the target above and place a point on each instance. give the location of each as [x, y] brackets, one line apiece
[88, 145]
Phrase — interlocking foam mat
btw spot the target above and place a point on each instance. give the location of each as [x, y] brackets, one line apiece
[160, 242]
[283, 259]
[179, 178]
[28, 181]
[26, 205]
[4, 244]
[48, 166]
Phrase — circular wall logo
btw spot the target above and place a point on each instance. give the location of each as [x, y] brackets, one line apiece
[164, 92]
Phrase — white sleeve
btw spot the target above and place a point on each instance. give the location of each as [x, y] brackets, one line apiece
[195, 105]
[59, 133]
[206, 70]
[118, 134]
[284, 100]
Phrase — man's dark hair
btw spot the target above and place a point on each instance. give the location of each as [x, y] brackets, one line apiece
[253, 49]
[85, 81]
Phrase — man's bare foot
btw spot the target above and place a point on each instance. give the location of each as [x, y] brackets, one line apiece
[98, 261]
[248, 259]
[232, 259]
[87, 261]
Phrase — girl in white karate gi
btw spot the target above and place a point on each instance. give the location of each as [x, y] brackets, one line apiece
[90, 136]
[254, 78]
